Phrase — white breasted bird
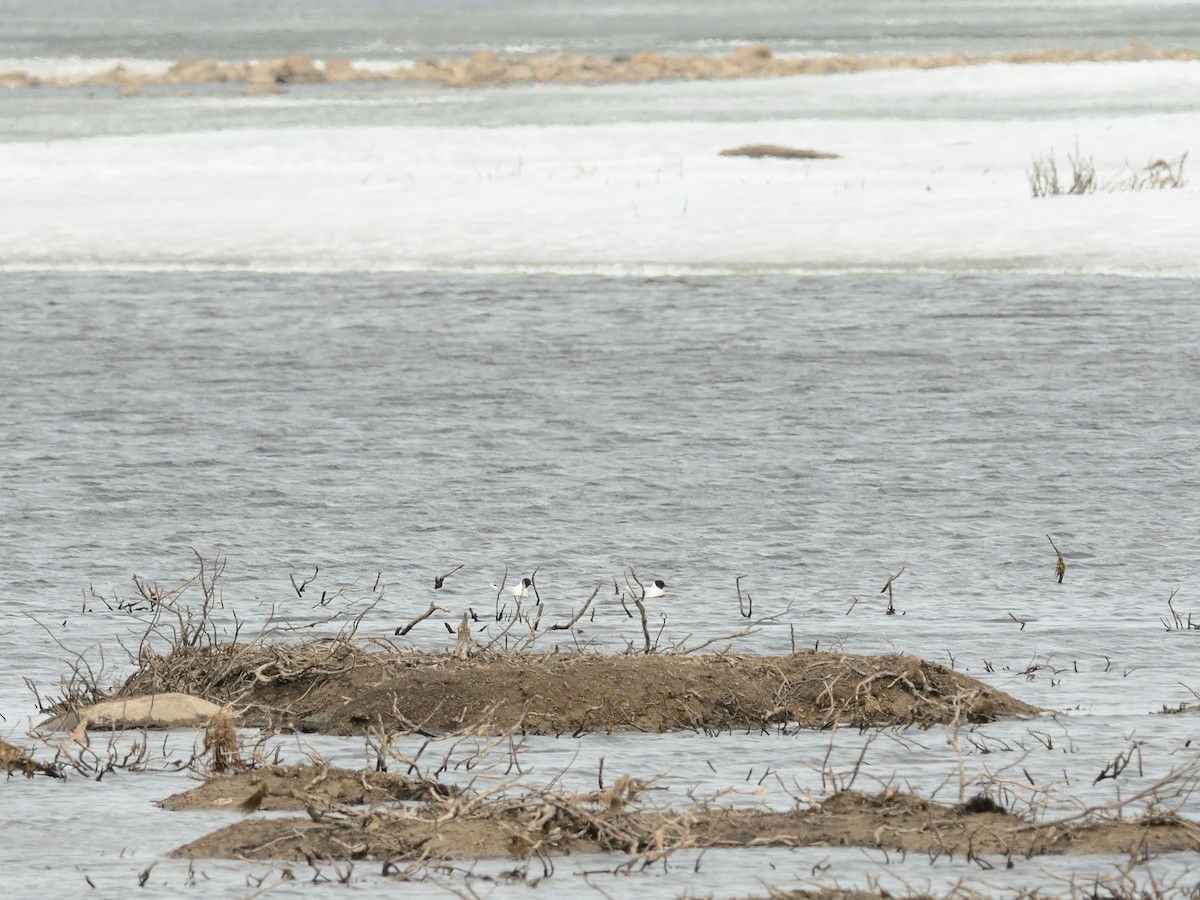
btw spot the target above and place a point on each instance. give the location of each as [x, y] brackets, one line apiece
[520, 590]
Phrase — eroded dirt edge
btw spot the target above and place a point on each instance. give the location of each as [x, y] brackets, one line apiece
[445, 825]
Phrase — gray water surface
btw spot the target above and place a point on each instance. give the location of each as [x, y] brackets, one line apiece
[812, 435]
[387, 30]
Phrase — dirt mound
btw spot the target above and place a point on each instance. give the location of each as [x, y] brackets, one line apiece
[545, 823]
[302, 787]
[776, 151]
[337, 688]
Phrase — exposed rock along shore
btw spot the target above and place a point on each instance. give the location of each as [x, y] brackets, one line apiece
[486, 69]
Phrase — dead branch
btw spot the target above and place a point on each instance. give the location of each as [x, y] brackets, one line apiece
[433, 607]
[299, 588]
[745, 610]
[439, 580]
[1060, 565]
[891, 609]
[578, 615]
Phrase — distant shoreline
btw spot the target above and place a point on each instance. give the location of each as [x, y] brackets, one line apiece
[486, 69]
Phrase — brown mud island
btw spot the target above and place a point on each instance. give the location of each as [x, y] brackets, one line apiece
[336, 687]
[408, 819]
[402, 815]
[543, 824]
[494, 681]
[487, 69]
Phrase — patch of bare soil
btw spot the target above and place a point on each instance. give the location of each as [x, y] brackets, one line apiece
[303, 787]
[337, 688]
[776, 151]
[547, 824]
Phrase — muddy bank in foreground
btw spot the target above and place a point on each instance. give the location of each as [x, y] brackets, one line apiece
[293, 788]
[545, 823]
[338, 688]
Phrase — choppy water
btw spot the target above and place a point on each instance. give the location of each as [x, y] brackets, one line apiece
[811, 434]
[374, 29]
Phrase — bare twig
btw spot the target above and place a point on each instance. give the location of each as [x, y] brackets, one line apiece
[439, 580]
[1060, 566]
[299, 588]
[891, 610]
[433, 607]
[746, 610]
[582, 610]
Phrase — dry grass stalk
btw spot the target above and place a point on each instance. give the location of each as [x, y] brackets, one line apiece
[463, 643]
[221, 742]
[14, 759]
[84, 685]
[1177, 623]
[1060, 564]
[1083, 174]
[1159, 174]
[127, 751]
[1044, 181]
[168, 621]
[1156, 175]
[183, 624]
[1043, 177]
